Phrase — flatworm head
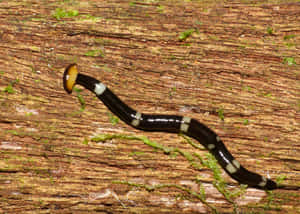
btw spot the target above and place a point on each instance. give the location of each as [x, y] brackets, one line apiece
[70, 76]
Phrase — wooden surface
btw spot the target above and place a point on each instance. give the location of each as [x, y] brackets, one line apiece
[235, 62]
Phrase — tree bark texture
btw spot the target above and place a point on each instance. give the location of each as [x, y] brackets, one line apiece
[233, 65]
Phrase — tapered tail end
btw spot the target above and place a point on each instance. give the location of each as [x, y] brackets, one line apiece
[70, 76]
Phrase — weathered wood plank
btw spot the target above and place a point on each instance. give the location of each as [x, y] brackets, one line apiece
[236, 62]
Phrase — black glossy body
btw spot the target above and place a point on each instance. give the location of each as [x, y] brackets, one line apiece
[172, 124]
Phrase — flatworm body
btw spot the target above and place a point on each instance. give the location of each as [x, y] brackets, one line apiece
[168, 123]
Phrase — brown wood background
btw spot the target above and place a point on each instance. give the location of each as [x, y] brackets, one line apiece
[233, 62]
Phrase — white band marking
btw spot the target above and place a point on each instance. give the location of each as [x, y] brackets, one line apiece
[185, 124]
[184, 127]
[230, 168]
[263, 182]
[136, 121]
[236, 164]
[186, 119]
[211, 146]
[99, 88]
[233, 167]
